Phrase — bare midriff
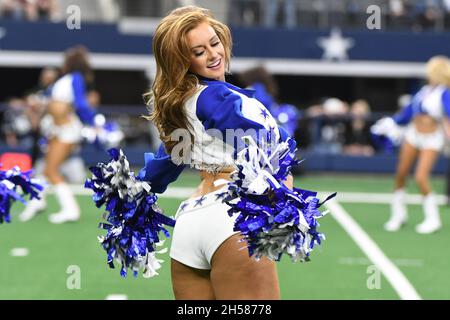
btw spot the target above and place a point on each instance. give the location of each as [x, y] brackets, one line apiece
[207, 184]
[207, 181]
[425, 123]
[60, 111]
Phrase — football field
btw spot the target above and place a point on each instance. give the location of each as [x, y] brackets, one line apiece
[358, 259]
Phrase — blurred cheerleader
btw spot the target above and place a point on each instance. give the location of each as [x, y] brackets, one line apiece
[67, 109]
[427, 120]
[266, 91]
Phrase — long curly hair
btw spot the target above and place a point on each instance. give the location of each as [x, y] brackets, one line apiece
[438, 70]
[174, 84]
[77, 59]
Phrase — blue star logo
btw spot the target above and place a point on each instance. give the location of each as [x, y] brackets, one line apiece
[183, 206]
[264, 113]
[199, 201]
[221, 195]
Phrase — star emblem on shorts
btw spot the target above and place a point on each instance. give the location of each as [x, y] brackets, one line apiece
[183, 206]
[221, 195]
[199, 201]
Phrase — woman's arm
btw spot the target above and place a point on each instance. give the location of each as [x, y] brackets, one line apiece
[289, 181]
[446, 104]
[84, 111]
[159, 170]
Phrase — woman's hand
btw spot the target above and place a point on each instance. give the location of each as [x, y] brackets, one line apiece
[289, 182]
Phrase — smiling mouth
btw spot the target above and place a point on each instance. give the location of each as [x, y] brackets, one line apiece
[216, 64]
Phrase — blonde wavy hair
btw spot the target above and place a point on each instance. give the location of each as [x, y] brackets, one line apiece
[174, 84]
[438, 70]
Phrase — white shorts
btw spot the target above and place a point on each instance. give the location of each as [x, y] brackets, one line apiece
[425, 141]
[67, 133]
[202, 225]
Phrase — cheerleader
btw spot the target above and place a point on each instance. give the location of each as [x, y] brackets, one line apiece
[426, 121]
[67, 110]
[191, 102]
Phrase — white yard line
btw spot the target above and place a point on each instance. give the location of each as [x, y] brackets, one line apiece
[19, 252]
[116, 297]
[363, 261]
[350, 197]
[384, 198]
[395, 277]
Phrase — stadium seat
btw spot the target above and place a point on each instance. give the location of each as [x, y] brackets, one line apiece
[10, 159]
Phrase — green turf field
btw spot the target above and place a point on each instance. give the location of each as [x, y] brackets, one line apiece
[340, 269]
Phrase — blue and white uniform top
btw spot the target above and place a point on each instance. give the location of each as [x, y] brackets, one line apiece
[216, 112]
[71, 88]
[431, 100]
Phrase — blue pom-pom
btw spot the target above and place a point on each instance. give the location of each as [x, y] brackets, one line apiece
[273, 219]
[12, 180]
[134, 219]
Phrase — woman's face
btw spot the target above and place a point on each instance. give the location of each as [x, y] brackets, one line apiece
[207, 52]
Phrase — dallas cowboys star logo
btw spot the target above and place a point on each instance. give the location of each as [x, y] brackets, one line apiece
[221, 195]
[335, 46]
[264, 113]
[199, 201]
[183, 206]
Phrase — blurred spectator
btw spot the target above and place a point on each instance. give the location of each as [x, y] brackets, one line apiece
[271, 10]
[47, 78]
[397, 8]
[30, 10]
[354, 8]
[16, 125]
[12, 9]
[357, 132]
[36, 107]
[43, 10]
[243, 12]
[37, 100]
[327, 125]
[427, 14]
[399, 13]
[446, 8]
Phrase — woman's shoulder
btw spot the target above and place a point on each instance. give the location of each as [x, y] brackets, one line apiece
[62, 89]
[215, 88]
[220, 91]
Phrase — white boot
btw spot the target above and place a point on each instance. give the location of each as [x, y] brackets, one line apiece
[432, 220]
[70, 211]
[399, 215]
[32, 208]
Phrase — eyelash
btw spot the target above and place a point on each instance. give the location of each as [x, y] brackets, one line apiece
[213, 45]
